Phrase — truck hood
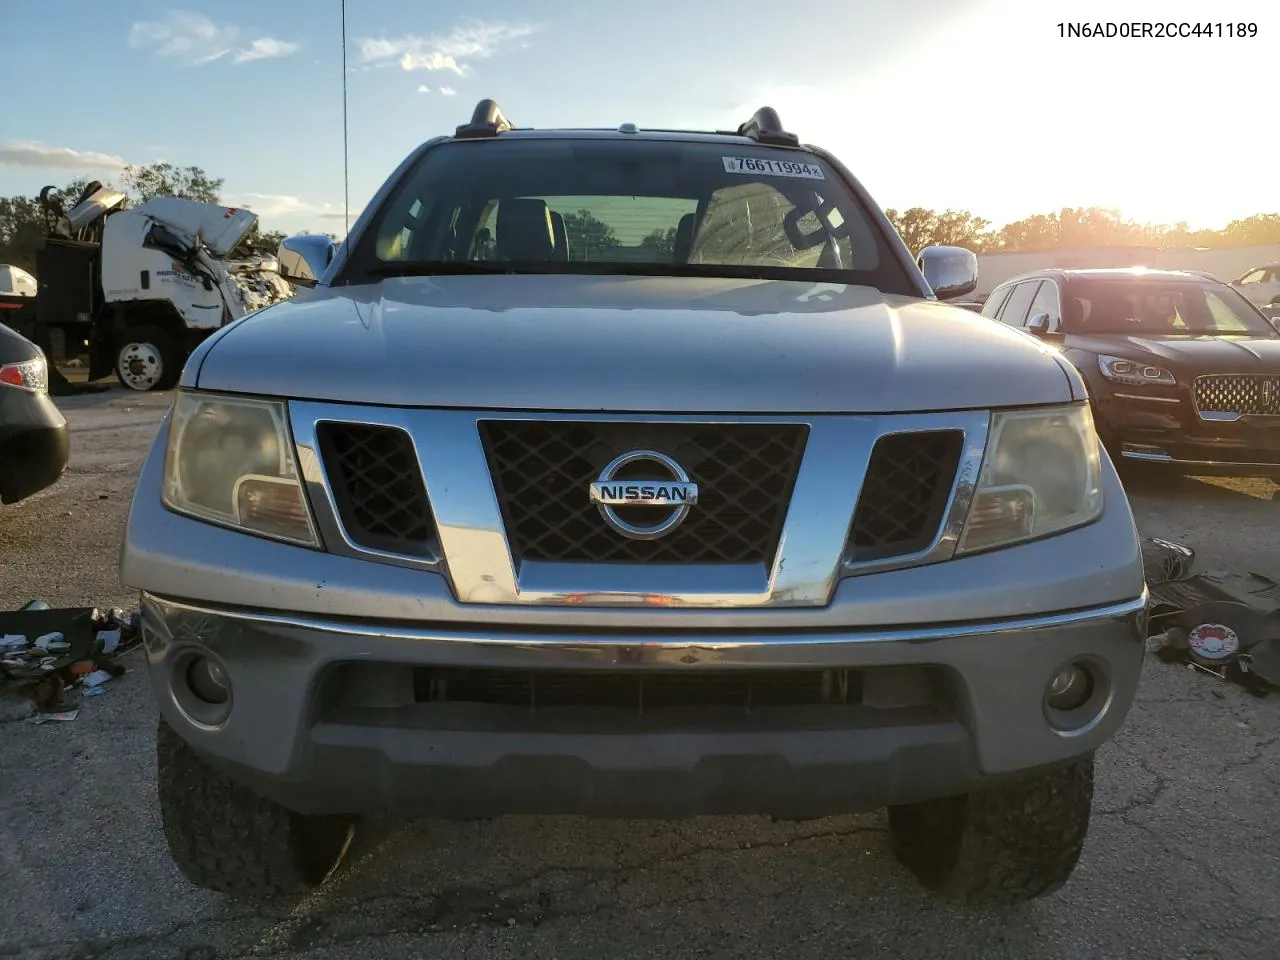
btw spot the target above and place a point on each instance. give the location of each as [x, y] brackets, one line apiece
[1202, 354]
[630, 344]
[219, 228]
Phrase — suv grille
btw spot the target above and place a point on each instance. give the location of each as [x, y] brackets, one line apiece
[1247, 394]
[904, 494]
[377, 486]
[642, 692]
[542, 471]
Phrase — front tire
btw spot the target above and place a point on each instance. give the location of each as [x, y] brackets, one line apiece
[1004, 844]
[147, 358]
[225, 838]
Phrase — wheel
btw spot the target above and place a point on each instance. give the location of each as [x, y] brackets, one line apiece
[1005, 844]
[226, 838]
[147, 358]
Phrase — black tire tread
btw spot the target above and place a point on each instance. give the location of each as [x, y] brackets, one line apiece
[225, 838]
[1001, 845]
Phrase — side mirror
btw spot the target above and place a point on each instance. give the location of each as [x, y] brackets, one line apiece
[950, 271]
[1038, 326]
[303, 259]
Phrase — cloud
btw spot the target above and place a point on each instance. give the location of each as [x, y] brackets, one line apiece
[447, 91]
[194, 39]
[32, 153]
[471, 40]
[270, 204]
[339, 215]
[424, 89]
[183, 35]
[266, 48]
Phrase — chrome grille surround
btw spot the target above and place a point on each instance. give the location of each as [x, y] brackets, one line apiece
[475, 554]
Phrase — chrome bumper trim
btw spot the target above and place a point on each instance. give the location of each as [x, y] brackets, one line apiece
[1140, 397]
[1162, 457]
[673, 647]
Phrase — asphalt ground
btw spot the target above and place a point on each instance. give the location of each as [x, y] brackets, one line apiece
[1182, 860]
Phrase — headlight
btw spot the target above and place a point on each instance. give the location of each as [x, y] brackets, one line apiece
[1130, 371]
[230, 461]
[1042, 474]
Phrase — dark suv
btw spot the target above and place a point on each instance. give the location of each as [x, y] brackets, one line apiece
[1182, 369]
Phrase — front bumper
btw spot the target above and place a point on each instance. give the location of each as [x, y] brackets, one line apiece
[1164, 428]
[35, 444]
[339, 716]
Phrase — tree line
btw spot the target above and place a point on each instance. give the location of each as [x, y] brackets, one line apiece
[1071, 228]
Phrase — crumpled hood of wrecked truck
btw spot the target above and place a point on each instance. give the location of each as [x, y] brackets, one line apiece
[628, 344]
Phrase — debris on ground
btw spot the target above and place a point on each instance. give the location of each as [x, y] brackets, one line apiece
[48, 656]
[1197, 622]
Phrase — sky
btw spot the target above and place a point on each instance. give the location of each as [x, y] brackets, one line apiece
[966, 104]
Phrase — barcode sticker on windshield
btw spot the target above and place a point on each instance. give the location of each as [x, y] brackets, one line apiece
[773, 168]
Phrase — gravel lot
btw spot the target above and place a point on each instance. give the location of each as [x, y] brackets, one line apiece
[1183, 858]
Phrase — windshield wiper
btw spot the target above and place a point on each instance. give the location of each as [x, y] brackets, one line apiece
[439, 268]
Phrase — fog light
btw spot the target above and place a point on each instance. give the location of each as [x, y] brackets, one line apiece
[1070, 688]
[208, 680]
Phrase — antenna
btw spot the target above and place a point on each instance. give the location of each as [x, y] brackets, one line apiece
[346, 175]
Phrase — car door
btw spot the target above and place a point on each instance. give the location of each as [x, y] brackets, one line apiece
[1015, 310]
[1256, 284]
[1046, 301]
[1270, 287]
[991, 306]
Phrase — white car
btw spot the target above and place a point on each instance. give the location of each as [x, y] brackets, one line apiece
[1261, 285]
[16, 282]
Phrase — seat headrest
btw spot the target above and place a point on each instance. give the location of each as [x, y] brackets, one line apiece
[1072, 313]
[524, 230]
[561, 236]
[684, 239]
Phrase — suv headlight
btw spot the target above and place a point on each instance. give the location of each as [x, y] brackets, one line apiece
[230, 461]
[1120, 370]
[1042, 474]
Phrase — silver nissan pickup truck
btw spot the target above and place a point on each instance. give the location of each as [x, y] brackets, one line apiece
[631, 473]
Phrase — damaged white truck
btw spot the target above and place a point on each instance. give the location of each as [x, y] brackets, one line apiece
[138, 288]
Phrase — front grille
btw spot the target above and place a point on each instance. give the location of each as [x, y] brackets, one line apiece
[377, 487]
[641, 692]
[1247, 394]
[904, 494]
[542, 471]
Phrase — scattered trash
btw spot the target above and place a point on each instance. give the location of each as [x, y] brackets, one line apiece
[96, 679]
[61, 715]
[1202, 625]
[1166, 560]
[52, 642]
[75, 650]
[1211, 643]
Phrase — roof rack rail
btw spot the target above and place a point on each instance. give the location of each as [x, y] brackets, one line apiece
[765, 127]
[486, 121]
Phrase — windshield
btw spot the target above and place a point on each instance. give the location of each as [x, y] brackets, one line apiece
[634, 206]
[1146, 307]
